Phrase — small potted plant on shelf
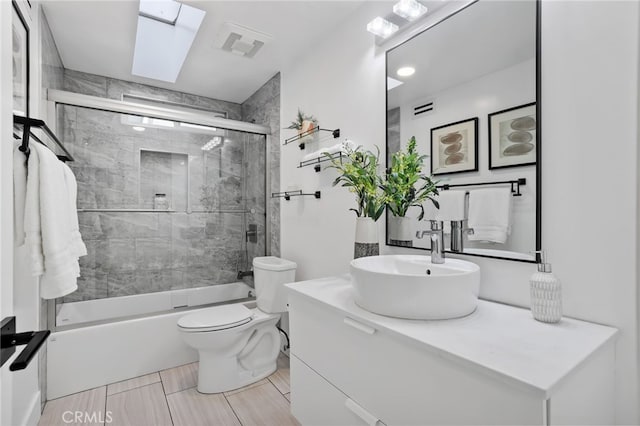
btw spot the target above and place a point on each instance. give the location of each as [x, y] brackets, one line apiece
[359, 173]
[304, 124]
[406, 186]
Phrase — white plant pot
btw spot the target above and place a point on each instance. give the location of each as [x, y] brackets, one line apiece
[400, 231]
[366, 243]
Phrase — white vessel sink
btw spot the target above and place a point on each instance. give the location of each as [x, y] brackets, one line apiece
[411, 287]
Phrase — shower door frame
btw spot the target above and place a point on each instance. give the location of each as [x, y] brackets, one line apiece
[61, 97]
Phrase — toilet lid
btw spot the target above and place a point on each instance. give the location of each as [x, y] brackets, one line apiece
[216, 318]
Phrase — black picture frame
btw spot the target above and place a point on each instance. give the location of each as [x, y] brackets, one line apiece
[495, 141]
[454, 131]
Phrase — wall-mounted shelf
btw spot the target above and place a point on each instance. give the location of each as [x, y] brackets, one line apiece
[515, 185]
[288, 194]
[27, 125]
[317, 161]
[316, 130]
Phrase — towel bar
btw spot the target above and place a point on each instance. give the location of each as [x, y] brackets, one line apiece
[515, 185]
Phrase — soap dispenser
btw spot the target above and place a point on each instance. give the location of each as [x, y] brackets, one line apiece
[546, 293]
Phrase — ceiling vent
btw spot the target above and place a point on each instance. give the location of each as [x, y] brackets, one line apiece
[241, 40]
[423, 108]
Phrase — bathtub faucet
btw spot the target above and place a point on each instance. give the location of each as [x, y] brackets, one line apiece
[242, 274]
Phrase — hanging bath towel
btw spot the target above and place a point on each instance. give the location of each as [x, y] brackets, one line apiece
[51, 224]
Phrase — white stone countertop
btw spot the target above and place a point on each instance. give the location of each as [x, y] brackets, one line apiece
[503, 340]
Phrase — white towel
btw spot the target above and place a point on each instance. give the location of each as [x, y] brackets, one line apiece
[490, 214]
[51, 223]
[339, 147]
[19, 194]
[79, 249]
[311, 156]
[32, 226]
[451, 208]
[334, 149]
[451, 205]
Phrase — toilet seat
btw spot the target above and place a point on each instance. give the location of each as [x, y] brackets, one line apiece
[216, 318]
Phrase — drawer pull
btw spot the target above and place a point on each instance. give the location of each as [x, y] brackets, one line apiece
[366, 416]
[359, 326]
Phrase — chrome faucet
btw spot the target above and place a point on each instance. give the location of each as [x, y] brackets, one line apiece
[437, 240]
[458, 230]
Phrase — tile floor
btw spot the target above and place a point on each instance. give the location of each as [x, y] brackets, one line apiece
[169, 397]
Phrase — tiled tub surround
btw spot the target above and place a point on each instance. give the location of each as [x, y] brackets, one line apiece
[263, 107]
[199, 242]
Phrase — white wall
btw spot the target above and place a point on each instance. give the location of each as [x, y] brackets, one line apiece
[590, 107]
[590, 190]
[342, 83]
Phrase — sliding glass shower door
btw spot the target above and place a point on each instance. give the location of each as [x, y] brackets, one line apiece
[164, 206]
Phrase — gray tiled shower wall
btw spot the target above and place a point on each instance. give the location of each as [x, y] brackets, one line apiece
[133, 253]
[263, 107]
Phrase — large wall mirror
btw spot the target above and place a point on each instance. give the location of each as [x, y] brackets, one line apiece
[472, 105]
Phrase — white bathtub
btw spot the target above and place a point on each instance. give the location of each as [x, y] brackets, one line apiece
[89, 356]
[143, 304]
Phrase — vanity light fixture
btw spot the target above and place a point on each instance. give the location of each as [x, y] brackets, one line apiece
[406, 71]
[381, 27]
[139, 128]
[409, 9]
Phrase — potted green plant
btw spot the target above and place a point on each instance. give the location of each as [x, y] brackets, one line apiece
[303, 123]
[359, 172]
[405, 186]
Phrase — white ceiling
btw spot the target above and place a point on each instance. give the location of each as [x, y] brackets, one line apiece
[486, 37]
[98, 37]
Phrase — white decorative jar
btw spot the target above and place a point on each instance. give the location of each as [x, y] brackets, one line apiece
[400, 231]
[546, 294]
[366, 243]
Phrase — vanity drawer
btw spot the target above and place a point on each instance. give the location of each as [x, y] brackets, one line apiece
[397, 382]
[314, 401]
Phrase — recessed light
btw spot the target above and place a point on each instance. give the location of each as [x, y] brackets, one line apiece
[381, 27]
[406, 71]
[139, 128]
[409, 9]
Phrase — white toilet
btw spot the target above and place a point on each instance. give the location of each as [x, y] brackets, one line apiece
[239, 346]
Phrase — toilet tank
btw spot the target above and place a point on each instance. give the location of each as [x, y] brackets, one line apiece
[270, 274]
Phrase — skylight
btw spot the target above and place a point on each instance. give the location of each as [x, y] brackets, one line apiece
[166, 30]
[166, 11]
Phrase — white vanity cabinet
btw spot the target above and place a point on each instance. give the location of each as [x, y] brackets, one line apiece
[496, 366]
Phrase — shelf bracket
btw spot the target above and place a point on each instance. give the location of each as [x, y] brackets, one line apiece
[9, 339]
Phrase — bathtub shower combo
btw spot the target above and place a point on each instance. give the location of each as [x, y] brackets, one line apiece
[172, 205]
